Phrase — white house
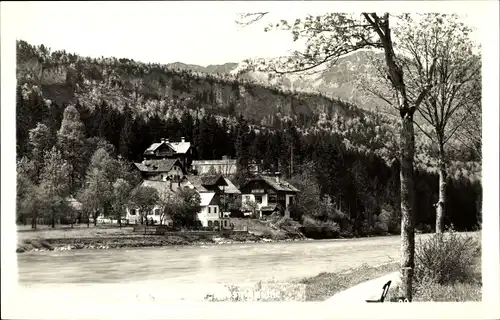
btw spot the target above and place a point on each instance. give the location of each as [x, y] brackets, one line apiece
[210, 214]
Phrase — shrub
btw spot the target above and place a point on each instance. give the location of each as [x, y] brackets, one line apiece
[331, 229]
[446, 258]
[458, 292]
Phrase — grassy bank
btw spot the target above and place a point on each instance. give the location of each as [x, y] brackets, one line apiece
[448, 269]
[326, 284]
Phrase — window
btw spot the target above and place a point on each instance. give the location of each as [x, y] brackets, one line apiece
[216, 223]
[157, 212]
[215, 209]
[247, 198]
[161, 177]
[209, 209]
[209, 223]
[225, 223]
[132, 212]
[258, 199]
[272, 198]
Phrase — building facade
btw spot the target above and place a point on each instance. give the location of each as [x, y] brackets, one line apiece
[270, 194]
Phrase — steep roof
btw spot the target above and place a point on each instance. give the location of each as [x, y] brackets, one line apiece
[282, 185]
[178, 147]
[152, 148]
[230, 188]
[163, 165]
[206, 198]
[197, 183]
[209, 180]
[165, 186]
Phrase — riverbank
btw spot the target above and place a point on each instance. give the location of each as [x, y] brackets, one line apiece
[457, 278]
[140, 241]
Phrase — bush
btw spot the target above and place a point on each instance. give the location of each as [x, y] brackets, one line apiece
[331, 229]
[446, 258]
[458, 292]
[312, 228]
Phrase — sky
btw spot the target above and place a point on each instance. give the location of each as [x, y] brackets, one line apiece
[188, 31]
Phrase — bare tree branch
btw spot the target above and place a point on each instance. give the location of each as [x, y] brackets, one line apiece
[247, 19]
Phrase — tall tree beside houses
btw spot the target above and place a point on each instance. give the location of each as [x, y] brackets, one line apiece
[144, 198]
[121, 191]
[41, 140]
[55, 183]
[70, 140]
[333, 35]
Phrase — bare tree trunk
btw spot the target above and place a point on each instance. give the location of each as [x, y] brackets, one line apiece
[407, 149]
[440, 205]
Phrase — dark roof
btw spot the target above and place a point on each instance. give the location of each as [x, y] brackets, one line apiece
[282, 185]
[196, 182]
[163, 165]
[164, 187]
[210, 180]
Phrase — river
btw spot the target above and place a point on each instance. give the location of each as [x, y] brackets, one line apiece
[190, 272]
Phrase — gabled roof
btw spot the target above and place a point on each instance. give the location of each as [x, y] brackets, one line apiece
[152, 148]
[206, 198]
[210, 180]
[180, 147]
[197, 183]
[282, 185]
[230, 188]
[165, 187]
[177, 147]
[163, 165]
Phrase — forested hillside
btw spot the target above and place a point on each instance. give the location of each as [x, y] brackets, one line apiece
[342, 157]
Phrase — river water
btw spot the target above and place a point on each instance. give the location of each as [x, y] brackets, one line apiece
[192, 271]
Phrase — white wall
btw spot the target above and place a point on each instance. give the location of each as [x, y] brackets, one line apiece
[204, 216]
[156, 217]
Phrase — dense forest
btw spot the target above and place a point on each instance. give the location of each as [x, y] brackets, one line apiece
[344, 159]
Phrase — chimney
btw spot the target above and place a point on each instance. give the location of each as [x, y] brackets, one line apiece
[277, 176]
[183, 139]
[162, 139]
[166, 140]
[224, 157]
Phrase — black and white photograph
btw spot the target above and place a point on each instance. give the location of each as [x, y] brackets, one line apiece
[164, 158]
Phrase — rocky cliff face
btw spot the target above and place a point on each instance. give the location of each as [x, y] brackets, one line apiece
[152, 89]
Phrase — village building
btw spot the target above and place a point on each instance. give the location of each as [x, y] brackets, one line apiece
[225, 166]
[210, 214]
[272, 194]
[162, 169]
[219, 184]
[166, 149]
